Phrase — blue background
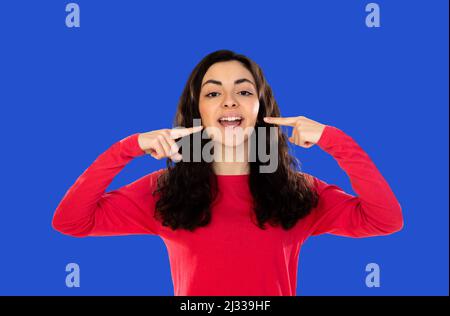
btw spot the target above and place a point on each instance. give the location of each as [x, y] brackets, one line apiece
[67, 94]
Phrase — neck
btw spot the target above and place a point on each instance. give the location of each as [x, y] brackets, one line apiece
[231, 160]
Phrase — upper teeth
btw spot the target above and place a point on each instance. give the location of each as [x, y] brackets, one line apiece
[230, 118]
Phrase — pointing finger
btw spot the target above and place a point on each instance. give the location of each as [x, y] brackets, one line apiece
[181, 132]
[285, 121]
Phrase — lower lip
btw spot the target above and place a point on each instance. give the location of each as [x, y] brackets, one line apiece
[231, 124]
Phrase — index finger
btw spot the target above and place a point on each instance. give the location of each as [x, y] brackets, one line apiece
[286, 121]
[181, 132]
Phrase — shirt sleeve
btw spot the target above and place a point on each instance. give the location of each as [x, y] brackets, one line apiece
[87, 210]
[374, 211]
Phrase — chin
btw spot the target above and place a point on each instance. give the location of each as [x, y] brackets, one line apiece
[232, 143]
[233, 137]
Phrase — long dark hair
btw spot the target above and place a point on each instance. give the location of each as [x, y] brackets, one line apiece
[186, 190]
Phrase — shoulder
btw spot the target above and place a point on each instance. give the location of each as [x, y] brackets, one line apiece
[151, 179]
[318, 184]
[154, 175]
[145, 184]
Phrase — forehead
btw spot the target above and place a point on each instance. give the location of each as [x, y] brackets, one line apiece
[227, 71]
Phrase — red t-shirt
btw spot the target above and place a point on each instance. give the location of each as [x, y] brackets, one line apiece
[231, 255]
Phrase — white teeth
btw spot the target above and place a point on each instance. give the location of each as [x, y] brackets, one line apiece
[230, 118]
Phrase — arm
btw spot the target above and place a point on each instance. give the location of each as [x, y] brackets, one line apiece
[374, 211]
[87, 210]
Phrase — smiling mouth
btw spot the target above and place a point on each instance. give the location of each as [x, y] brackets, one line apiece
[231, 121]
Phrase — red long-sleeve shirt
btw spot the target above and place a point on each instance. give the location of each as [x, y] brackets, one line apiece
[230, 256]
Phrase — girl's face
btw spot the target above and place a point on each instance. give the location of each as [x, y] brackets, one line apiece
[228, 102]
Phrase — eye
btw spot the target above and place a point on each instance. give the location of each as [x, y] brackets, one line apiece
[210, 95]
[246, 93]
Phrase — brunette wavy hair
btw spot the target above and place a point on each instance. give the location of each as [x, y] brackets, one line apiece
[186, 190]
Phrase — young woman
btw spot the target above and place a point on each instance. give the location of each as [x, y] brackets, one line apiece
[229, 228]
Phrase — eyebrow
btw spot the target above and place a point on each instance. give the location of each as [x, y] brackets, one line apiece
[235, 82]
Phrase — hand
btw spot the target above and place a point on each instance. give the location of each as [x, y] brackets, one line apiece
[306, 132]
[160, 143]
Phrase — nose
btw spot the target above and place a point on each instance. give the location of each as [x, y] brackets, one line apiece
[229, 101]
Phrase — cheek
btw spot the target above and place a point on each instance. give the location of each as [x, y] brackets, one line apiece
[252, 109]
[203, 110]
[206, 113]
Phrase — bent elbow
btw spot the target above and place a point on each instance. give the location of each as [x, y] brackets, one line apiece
[396, 228]
[386, 225]
[70, 229]
[397, 223]
[400, 220]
